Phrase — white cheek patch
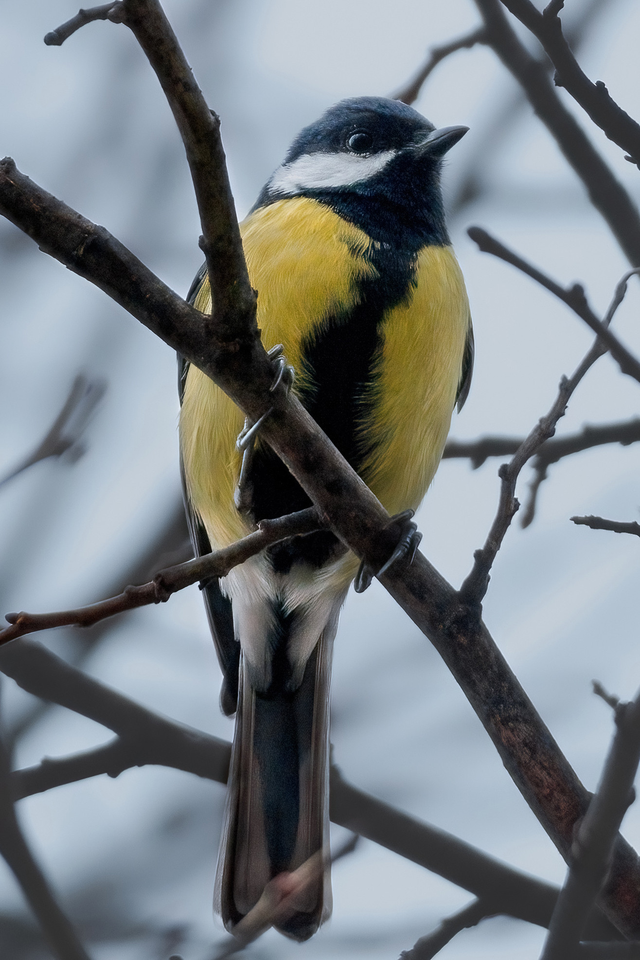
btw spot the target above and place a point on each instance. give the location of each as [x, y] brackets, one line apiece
[315, 171]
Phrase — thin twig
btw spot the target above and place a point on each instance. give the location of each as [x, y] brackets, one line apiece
[63, 436]
[609, 698]
[594, 98]
[574, 297]
[168, 581]
[56, 927]
[232, 293]
[107, 11]
[606, 193]
[616, 526]
[168, 545]
[592, 848]
[478, 451]
[427, 947]
[411, 91]
[475, 585]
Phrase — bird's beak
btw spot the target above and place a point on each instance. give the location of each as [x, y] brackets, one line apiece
[440, 141]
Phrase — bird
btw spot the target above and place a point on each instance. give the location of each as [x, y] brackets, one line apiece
[359, 289]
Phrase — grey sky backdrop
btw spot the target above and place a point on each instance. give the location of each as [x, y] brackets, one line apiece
[135, 856]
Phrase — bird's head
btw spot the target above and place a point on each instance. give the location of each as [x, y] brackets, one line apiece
[367, 148]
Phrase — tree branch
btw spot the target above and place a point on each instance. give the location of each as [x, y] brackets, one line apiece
[606, 193]
[617, 526]
[574, 297]
[64, 433]
[234, 298]
[591, 850]
[427, 947]
[476, 583]
[57, 929]
[552, 451]
[478, 451]
[107, 11]
[594, 98]
[168, 581]
[411, 91]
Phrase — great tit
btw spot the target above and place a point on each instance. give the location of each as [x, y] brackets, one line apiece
[356, 278]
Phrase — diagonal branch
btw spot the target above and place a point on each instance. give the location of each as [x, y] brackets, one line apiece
[170, 580]
[594, 98]
[606, 193]
[199, 127]
[64, 433]
[411, 91]
[427, 947]
[476, 583]
[574, 297]
[56, 927]
[592, 847]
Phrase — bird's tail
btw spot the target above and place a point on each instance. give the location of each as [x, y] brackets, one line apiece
[277, 815]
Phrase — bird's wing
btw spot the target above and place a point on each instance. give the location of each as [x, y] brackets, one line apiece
[467, 369]
[218, 606]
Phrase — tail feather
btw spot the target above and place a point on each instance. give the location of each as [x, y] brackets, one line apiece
[277, 815]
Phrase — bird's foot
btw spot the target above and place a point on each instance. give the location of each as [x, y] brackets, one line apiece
[285, 375]
[406, 547]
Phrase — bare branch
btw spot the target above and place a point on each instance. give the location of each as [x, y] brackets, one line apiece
[611, 700]
[107, 11]
[591, 850]
[606, 193]
[66, 430]
[574, 297]
[624, 432]
[168, 581]
[411, 91]
[475, 585]
[594, 98]
[616, 526]
[56, 927]
[235, 299]
[169, 545]
[427, 947]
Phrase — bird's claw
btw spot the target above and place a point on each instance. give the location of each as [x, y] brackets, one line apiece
[406, 547]
[285, 375]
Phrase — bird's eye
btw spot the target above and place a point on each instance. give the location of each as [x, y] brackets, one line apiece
[360, 142]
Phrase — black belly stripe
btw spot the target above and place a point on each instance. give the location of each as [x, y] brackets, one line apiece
[340, 364]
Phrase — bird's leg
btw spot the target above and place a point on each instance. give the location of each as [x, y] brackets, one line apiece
[284, 375]
[406, 547]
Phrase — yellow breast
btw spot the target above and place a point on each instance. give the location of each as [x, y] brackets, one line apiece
[306, 263]
[418, 374]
